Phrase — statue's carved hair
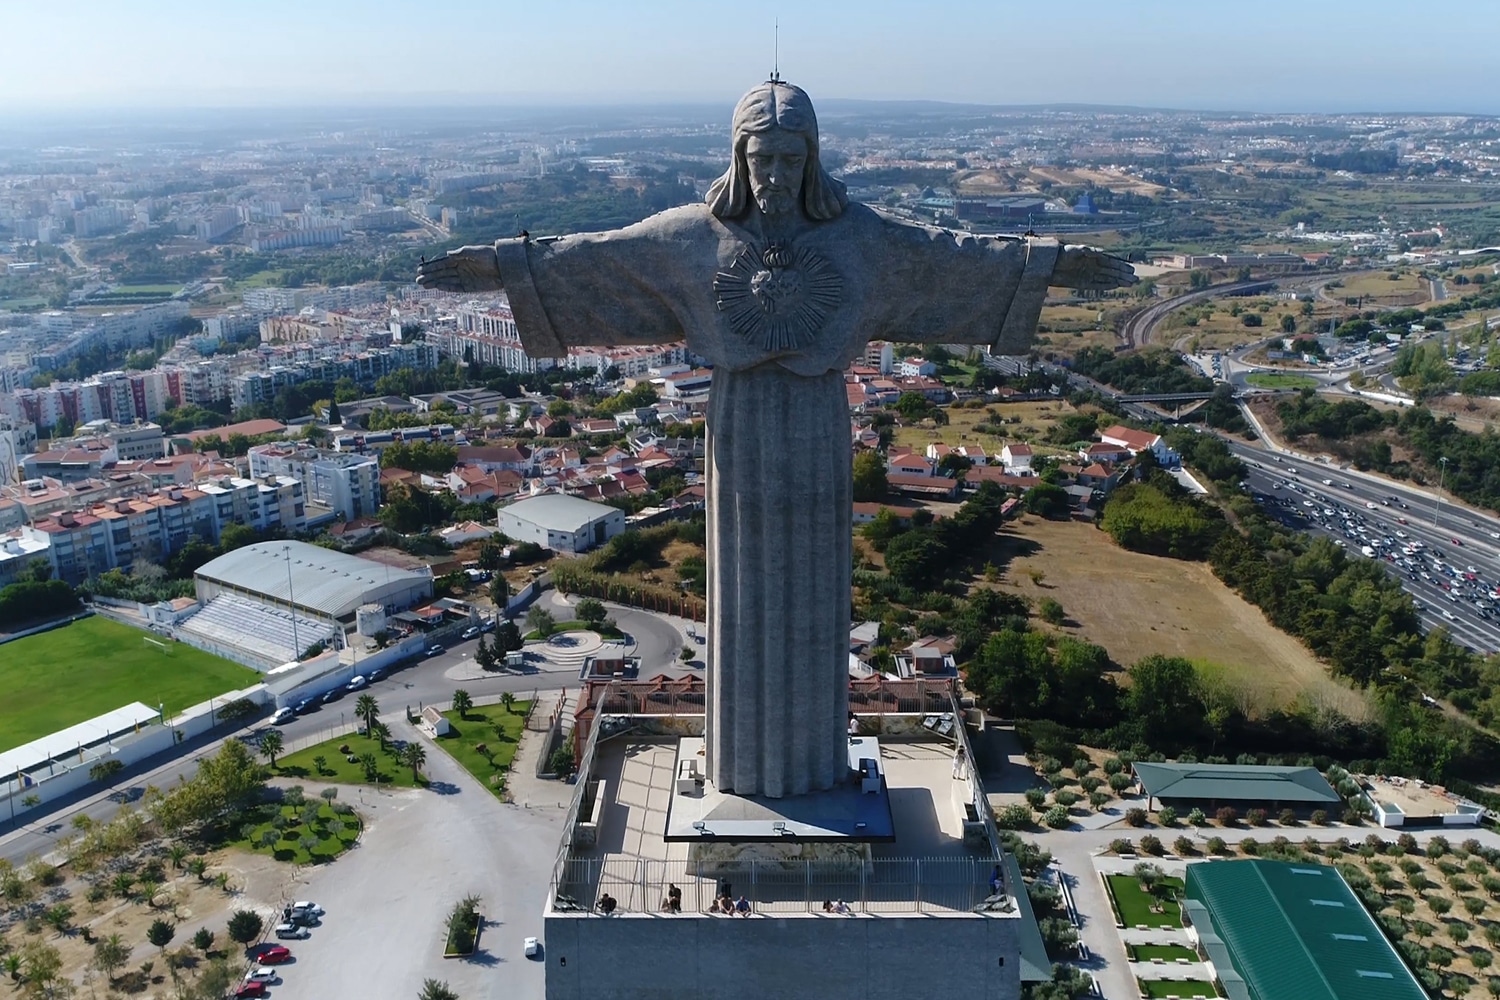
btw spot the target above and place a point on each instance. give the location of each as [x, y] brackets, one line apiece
[776, 105]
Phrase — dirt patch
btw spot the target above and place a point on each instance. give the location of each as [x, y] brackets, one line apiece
[1028, 422]
[255, 882]
[1135, 605]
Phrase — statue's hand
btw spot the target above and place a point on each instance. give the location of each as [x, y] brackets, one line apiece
[1091, 269]
[467, 269]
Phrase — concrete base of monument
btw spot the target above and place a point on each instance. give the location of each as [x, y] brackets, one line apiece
[855, 811]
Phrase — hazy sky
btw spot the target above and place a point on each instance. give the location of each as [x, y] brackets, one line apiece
[1333, 55]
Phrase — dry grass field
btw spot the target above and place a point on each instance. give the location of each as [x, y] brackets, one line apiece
[1135, 605]
[1066, 329]
[1378, 287]
[1024, 422]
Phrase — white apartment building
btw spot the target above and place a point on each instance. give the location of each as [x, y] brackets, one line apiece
[347, 484]
[489, 330]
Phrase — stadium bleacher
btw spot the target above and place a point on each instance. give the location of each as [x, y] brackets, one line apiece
[264, 632]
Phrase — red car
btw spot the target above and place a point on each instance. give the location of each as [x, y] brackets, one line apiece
[275, 953]
[1455, 541]
[251, 989]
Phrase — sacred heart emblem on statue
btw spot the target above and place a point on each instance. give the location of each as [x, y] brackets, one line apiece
[777, 296]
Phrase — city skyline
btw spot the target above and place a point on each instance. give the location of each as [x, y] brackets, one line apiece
[1334, 57]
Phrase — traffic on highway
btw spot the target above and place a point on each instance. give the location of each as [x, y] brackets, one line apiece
[1447, 558]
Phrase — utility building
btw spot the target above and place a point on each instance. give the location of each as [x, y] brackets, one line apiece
[561, 523]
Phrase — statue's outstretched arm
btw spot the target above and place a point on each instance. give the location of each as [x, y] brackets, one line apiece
[1091, 269]
[467, 269]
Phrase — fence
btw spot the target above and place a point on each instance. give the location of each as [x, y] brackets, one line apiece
[883, 886]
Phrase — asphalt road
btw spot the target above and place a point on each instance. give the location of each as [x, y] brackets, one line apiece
[657, 640]
[1389, 517]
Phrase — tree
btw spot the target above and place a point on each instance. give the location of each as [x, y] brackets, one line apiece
[367, 710]
[245, 926]
[540, 620]
[462, 703]
[870, 482]
[370, 764]
[160, 933]
[381, 733]
[203, 940]
[484, 654]
[435, 990]
[508, 700]
[1051, 611]
[499, 591]
[110, 954]
[1163, 698]
[1288, 323]
[413, 756]
[1048, 500]
[270, 745]
[335, 418]
[105, 770]
[508, 636]
[42, 965]
[591, 611]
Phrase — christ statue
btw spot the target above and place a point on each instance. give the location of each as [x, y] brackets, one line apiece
[779, 281]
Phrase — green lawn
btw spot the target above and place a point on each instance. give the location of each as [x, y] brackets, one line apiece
[1135, 906]
[59, 678]
[492, 727]
[331, 841]
[172, 289]
[1177, 988]
[1281, 380]
[1165, 952]
[339, 770]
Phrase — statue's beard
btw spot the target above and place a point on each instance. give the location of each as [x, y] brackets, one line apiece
[778, 202]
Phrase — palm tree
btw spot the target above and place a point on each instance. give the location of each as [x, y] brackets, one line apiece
[434, 990]
[367, 709]
[197, 866]
[508, 700]
[177, 853]
[380, 732]
[462, 703]
[271, 745]
[414, 756]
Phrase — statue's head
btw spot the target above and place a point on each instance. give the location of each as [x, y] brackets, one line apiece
[775, 159]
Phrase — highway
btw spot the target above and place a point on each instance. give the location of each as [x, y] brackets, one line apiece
[1389, 518]
[657, 640]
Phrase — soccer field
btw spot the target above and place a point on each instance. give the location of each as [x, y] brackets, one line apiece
[71, 674]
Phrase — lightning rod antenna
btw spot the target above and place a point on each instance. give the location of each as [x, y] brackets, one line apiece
[776, 51]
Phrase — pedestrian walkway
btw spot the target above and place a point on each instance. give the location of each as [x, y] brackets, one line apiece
[525, 788]
[1183, 970]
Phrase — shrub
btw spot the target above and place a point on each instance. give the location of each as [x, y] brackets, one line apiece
[1036, 798]
[1406, 840]
[1250, 846]
[1184, 847]
[1437, 846]
[1057, 817]
[1320, 817]
[1288, 817]
[1152, 845]
[1098, 799]
[1135, 816]
[1256, 817]
[1216, 845]
[1114, 765]
[1121, 846]
[1090, 783]
[1082, 766]
[1065, 797]
[1196, 817]
[1058, 780]
[1166, 816]
[1227, 816]
[1311, 845]
[1119, 782]
[1014, 817]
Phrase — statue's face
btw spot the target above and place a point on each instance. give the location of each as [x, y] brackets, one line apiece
[776, 160]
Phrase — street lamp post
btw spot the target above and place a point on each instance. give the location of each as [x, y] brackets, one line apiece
[1442, 472]
[292, 604]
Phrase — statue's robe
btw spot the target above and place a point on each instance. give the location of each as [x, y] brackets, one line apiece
[780, 327]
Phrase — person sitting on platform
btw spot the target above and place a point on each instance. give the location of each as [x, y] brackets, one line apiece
[742, 906]
[842, 907]
[995, 881]
[607, 904]
[827, 906]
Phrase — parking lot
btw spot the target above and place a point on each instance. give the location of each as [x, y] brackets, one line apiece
[386, 900]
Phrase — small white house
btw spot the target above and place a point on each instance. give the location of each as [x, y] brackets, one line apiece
[433, 723]
[561, 523]
[1017, 459]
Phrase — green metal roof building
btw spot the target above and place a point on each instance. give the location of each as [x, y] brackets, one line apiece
[1203, 784]
[1276, 930]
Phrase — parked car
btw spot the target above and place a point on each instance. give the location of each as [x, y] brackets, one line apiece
[291, 931]
[283, 715]
[488, 625]
[306, 705]
[434, 650]
[262, 974]
[274, 954]
[356, 682]
[531, 947]
[306, 906]
[332, 696]
[472, 632]
[254, 988]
